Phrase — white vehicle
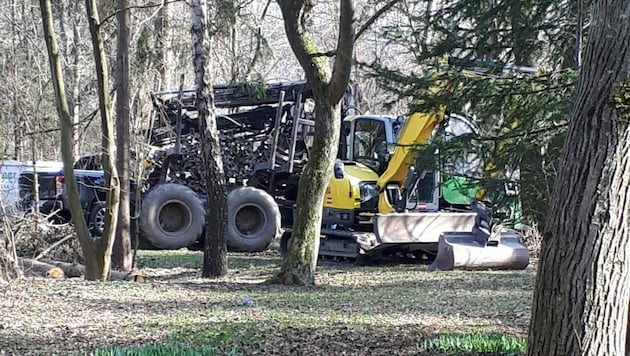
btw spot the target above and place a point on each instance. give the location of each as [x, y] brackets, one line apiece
[9, 175]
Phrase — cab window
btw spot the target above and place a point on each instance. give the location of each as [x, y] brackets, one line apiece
[370, 142]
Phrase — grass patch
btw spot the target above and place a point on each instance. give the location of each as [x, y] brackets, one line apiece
[224, 335]
[476, 344]
[169, 258]
[252, 265]
[160, 350]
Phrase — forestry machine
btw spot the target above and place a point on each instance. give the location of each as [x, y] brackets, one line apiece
[378, 204]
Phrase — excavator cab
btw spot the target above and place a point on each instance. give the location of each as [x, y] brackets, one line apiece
[368, 140]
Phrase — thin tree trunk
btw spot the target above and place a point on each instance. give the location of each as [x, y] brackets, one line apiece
[71, 49]
[105, 244]
[582, 292]
[160, 26]
[65, 123]
[76, 83]
[215, 251]
[17, 122]
[122, 255]
[168, 36]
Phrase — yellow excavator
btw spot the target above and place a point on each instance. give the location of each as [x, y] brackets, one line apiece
[378, 204]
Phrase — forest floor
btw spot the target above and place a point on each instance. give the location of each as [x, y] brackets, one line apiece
[386, 309]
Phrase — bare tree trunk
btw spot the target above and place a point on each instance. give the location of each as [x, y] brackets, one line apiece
[215, 252]
[105, 244]
[166, 36]
[65, 122]
[122, 255]
[17, 122]
[160, 26]
[71, 50]
[582, 292]
[76, 83]
[328, 89]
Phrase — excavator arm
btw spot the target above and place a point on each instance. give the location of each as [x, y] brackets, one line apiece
[416, 131]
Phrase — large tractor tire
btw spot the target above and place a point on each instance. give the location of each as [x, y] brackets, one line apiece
[172, 216]
[253, 219]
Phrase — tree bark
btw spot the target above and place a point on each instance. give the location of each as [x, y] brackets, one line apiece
[582, 292]
[328, 89]
[65, 123]
[122, 254]
[67, 17]
[165, 35]
[215, 251]
[103, 251]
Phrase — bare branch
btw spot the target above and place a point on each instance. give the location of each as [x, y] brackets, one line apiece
[345, 50]
[302, 44]
[375, 17]
[259, 36]
[363, 28]
[147, 6]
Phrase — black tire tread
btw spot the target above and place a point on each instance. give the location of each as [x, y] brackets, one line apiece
[245, 195]
[154, 198]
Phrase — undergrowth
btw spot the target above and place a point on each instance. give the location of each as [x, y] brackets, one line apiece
[475, 344]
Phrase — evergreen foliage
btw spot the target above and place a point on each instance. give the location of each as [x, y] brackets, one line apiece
[507, 68]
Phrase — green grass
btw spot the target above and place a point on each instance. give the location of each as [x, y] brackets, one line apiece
[446, 344]
[159, 350]
[168, 259]
[477, 344]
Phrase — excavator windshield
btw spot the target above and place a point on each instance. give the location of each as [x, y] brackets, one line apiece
[370, 143]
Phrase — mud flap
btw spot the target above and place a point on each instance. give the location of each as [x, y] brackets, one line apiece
[461, 251]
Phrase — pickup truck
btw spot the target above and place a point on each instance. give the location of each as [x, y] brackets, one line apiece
[53, 200]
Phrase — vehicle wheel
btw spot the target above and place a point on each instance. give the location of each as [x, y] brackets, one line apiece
[97, 218]
[172, 216]
[285, 243]
[253, 219]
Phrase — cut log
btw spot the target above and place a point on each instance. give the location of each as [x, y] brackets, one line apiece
[60, 270]
[36, 268]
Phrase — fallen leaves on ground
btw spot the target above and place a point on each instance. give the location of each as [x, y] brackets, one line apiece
[388, 309]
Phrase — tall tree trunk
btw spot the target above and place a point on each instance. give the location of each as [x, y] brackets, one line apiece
[160, 26]
[122, 254]
[65, 122]
[67, 17]
[76, 82]
[582, 292]
[166, 36]
[299, 265]
[215, 251]
[17, 122]
[328, 89]
[104, 245]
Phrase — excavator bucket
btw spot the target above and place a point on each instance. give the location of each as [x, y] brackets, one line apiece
[405, 228]
[462, 251]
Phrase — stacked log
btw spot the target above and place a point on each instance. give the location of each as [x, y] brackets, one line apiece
[242, 152]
